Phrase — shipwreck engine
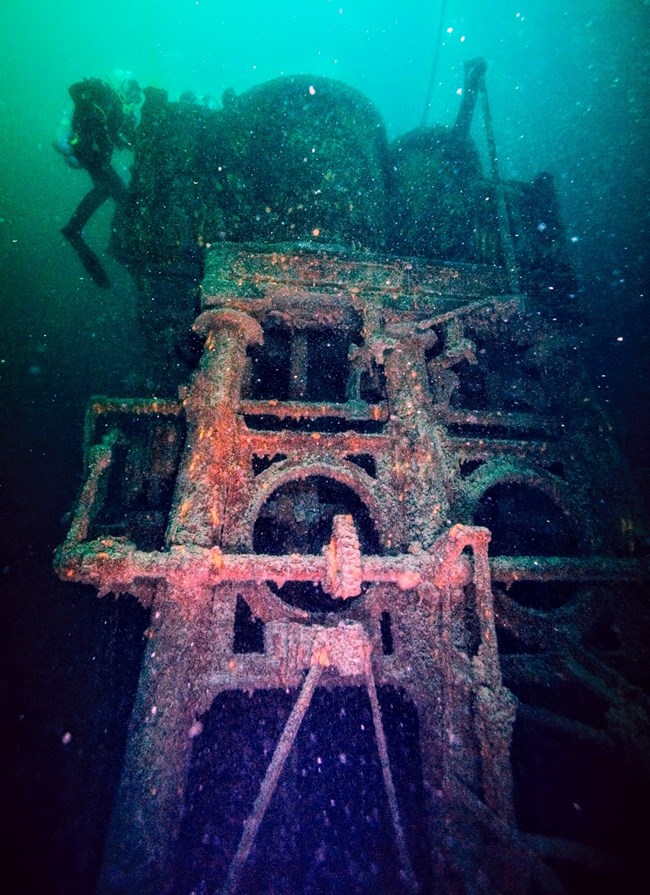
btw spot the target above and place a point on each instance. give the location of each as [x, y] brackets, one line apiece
[386, 539]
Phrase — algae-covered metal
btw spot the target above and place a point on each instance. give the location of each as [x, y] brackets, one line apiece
[385, 490]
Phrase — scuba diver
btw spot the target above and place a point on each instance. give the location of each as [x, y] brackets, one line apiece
[104, 119]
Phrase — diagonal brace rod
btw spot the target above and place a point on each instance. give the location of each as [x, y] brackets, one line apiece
[380, 736]
[320, 660]
[286, 741]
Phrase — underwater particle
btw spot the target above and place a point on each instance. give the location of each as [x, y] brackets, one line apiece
[312, 89]
[315, 231]
[195, 730]
[575, 239]
[619, 338]
[542, 226]
[66, 738]
[35, 370]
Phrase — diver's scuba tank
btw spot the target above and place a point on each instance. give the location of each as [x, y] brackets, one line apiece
[129, 92]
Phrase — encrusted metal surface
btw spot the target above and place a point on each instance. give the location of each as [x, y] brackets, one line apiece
[384, 469]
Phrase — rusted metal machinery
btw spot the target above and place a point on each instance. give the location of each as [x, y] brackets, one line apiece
[386, 482]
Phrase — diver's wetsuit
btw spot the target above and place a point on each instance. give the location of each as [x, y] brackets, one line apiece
[99, 125]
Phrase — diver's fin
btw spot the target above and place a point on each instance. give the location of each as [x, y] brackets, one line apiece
[88, 258]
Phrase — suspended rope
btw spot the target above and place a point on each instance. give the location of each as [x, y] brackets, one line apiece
[505, 234]
[434, 66]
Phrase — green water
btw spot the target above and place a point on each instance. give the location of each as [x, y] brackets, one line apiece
[568, 90]
[568, 86]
